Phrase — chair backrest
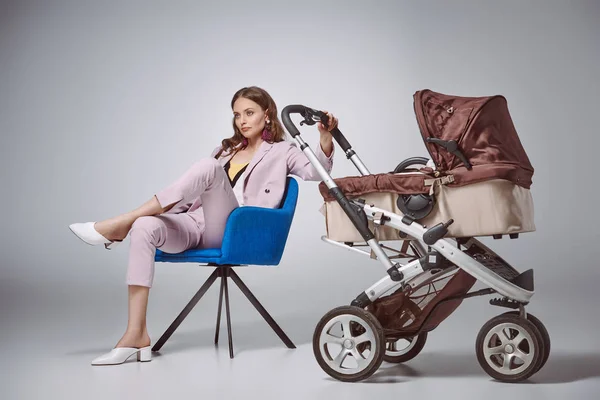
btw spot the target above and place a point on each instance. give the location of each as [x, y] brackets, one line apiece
[290, 195]
[257, 236]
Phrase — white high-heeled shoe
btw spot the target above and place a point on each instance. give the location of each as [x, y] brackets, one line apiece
[119, 355]
[86, 232]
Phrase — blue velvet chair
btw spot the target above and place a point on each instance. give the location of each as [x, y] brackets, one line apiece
[253, 236]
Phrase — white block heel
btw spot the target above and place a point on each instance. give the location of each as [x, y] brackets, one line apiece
[120, 354]
[145, 354]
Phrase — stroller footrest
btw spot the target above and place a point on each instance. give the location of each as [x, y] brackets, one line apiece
[504, 302]
[524, 280]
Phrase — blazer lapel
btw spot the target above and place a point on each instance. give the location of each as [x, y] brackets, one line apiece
[260, 153]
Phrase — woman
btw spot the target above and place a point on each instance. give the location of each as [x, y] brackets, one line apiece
[250, 168]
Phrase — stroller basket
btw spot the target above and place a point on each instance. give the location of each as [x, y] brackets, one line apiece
[419, 308]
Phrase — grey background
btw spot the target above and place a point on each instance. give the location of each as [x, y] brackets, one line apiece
[104, 103]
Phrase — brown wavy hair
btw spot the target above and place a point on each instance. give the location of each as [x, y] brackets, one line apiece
[265, 101]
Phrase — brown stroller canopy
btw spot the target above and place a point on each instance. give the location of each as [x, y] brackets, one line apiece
[483, 130]
[484, 133]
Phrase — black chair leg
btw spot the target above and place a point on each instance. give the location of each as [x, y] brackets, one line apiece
[220, 305]
[226, 272]
[261, 309]
[165, 336]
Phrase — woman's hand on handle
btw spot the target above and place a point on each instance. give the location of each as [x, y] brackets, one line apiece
[326, 138]
[332, 123]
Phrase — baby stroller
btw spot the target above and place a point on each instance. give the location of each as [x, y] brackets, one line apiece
[421, 222]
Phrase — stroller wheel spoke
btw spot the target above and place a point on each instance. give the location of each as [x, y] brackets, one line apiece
[506, 364]
[339, 359]
[518, 339]
[360, 359]
[494, 350]
[525, 357]
[329, 338]
[347, 334]
[365, 337]
[504, 335]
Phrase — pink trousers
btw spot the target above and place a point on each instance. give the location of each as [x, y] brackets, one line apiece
[204, 199]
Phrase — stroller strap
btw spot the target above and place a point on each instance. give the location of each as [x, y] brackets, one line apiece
[444, 180]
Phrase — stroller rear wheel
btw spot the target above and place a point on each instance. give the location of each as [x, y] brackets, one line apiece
[402, 350]
[509, 348]
[349, 343]
[545, 335]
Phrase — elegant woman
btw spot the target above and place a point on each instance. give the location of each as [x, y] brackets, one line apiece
[250, 168]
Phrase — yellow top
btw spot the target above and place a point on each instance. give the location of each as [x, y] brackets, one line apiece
[234, 169]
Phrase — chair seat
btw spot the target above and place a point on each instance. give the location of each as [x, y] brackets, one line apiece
[253, 235]
[190, 256]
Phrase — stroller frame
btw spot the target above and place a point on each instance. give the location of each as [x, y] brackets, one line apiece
[442, 257]
[398, 275]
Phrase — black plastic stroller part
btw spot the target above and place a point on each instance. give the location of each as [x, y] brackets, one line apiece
[287, 121]
[312, 116]
[434, 260]
[341, 139]
[394, 274]
[406, 220]
[488, 259]
[524, 280]
[354, 212]
[362, 300]
[511, 235]
[505, 302]
[416, 206]
[437, 232]
[452, 147]
[408, 162]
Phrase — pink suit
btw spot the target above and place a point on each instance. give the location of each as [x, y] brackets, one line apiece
[205, 199]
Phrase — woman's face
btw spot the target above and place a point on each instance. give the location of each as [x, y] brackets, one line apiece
[249, 117]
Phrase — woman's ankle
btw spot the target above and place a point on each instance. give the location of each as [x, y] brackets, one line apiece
[134, 338]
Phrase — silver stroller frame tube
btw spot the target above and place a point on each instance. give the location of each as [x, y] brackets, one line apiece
[360, 212]
[456, 256]
[310, 118]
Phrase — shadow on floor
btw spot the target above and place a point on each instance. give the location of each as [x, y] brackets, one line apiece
[561, 367]
[248, 336]
[255, 335]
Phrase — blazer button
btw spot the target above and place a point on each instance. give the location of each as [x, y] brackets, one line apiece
[267, 191]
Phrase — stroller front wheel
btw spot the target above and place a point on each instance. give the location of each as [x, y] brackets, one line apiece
[349, 343]
[543, 331]
[509, 348]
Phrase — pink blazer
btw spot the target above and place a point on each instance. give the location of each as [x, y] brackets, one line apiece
[268, 170]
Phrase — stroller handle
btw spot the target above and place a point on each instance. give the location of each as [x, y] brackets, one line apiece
[311, 117]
